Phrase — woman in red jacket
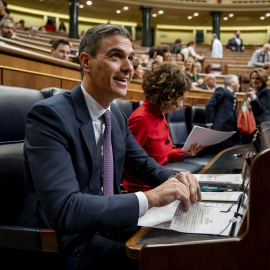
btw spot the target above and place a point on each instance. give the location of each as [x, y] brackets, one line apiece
[164, 88]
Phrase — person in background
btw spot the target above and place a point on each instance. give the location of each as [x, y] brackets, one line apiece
[221, 113]
[259, 99]
[198, 67]
[209, 82]
[235, 44]
[64, 172]
[138, 70]
[261, 57]
[60, 49]
[42, 29]
[164, 88]
[19, 24]
[217, 48]
[190, 69]
[62, 27]
[189, 51]
[176, 47]
[152, 53]
[4, 13]
[50, 26]
[165, 52]
[6, 29]
[179, 57]
[33, 32]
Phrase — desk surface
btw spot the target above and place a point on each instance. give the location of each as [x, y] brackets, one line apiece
[222, 163]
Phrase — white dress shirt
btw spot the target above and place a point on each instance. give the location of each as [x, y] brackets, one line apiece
[96, 111]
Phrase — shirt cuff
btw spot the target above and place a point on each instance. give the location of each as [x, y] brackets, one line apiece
[143, 203]
[209, 124]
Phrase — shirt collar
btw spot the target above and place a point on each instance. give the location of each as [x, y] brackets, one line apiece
[230, 89]
[95, 109]
[154, 110]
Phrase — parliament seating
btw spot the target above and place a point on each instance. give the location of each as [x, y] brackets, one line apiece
[20, 247]
[52, 91]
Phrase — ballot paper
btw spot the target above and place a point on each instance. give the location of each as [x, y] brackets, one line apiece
[203, 220]
[210, 216]
[205, 136]
[213, 179]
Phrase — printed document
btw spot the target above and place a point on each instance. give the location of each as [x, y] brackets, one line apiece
[213, 179]
[206, 136]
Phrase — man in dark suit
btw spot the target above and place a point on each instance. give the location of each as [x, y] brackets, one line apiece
[221, 112]
[235, 44]
[64, 185]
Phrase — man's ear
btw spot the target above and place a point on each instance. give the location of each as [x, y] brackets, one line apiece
[85, 61]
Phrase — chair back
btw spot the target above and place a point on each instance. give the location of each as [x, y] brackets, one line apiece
[177, 127]
[195, 116]
[15, 103]
[52, 91]
[125, 106]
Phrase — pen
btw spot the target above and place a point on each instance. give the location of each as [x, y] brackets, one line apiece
[214, 189]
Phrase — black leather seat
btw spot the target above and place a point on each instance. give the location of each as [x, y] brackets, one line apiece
[20, 247]
[52, 91]
[177, 127]
[195, 116]
[125, 106]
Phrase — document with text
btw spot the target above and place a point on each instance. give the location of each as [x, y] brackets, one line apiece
[235, 179]
[206, 136]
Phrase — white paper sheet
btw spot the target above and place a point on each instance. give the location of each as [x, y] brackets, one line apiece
[203, 220]
[222, 196]
[205, 136]
[219, 178]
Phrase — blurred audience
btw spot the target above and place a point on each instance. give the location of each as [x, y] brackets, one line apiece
[176, 47]
[189, 51]
[4, 12]
[179, 57]
[261, 57]
[62, 27]
[217, 48]
[198, 67]
[6, 28]
[60, 49]
[50, 26]
[33, 31]
[209, 82]
[19, 24]
[138, 70]
[190, 69]
[165, 52]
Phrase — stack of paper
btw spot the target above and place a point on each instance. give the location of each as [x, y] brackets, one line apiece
[214, 215]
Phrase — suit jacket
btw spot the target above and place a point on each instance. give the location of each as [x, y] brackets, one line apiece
[221, 110]
[261, 105]
[232, 43]
[62, 186]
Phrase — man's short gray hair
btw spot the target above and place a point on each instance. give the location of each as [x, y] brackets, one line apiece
[214, 35]
[5, 21]
[230, 78]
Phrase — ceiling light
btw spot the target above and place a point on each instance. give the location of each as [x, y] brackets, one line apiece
[89, 3]
[154, 15]
[225, 18]
[81, 6]
[262, 18]
[125, 8]
[118, 11]
[231, 15]
[196, 14]
[160, 11]
[189, 17]
[267, 14]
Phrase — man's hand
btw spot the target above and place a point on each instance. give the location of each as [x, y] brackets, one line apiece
[184, 186]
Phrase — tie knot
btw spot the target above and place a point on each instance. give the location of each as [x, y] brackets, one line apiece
[107, 118]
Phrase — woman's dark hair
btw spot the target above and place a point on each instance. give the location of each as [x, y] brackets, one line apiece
[165, 84]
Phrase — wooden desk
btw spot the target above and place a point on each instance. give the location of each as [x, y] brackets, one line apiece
[249, 250]
[216, 165]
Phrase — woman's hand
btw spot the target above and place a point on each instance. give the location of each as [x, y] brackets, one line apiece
[194, 149]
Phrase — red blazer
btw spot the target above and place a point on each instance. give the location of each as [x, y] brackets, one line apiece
[150, 128]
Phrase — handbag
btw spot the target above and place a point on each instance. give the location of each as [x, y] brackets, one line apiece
[246, 123]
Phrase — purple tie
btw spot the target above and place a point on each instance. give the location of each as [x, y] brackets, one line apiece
[107, 155]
